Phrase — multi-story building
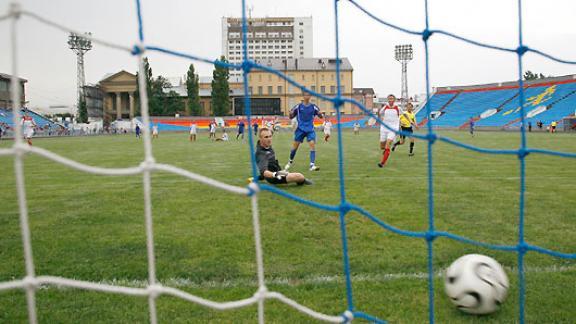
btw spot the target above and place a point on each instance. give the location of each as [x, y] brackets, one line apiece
[273, 95]
[6, 95]
[365, 96]
[267, 38]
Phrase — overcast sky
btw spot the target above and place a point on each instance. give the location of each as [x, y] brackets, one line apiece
[194, 27]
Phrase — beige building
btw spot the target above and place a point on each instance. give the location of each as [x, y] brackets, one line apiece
[316, 74]
[119, 90]
[271, 94]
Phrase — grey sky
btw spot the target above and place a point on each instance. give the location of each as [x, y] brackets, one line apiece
[194, 27]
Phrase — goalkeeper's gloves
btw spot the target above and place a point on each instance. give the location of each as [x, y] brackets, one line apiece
[280, 174]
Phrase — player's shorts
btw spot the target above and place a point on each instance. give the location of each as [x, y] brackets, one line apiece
[275, 181]
[28, 133]
[407, 130]
[328, 132]
[386, 134]
[299, 135]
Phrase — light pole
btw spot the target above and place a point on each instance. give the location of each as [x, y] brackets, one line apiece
[403, 54]
[80, 45]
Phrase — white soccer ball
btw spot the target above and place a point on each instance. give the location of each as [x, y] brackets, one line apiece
[476, 284]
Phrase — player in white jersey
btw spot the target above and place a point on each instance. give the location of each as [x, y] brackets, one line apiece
[193, 132]
[212, 135]
[390, 116]
[155, 131]
[356, 128]
[28, 125]
[327, 130]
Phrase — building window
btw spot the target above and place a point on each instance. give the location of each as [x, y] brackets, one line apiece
[269, 90]
[260, 77]
[342, 89]
[260, 90]
[279, 89]
[303, 77]
[4, 85]
[301, 53]
[322, 89]
[301, 24]
[250, 90]
[313, 88]
[332, 89]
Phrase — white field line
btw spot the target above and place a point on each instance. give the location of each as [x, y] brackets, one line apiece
[316, 280]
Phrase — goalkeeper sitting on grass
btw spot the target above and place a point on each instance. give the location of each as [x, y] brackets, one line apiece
[268, 164]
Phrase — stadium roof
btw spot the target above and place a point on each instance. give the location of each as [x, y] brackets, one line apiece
[8, 77]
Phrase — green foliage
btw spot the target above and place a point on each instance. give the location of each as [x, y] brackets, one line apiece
[158, 98]
[149, 81]
[82, 112]
[193, 90]
[172, 104]
[220, 100]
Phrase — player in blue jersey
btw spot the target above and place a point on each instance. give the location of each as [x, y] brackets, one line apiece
[240, 130]
[305, 113]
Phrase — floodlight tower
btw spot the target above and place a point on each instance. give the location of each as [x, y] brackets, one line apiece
[403, 54]
[80, 45]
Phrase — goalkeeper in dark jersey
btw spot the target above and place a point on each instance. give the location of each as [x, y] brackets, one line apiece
[268, 164]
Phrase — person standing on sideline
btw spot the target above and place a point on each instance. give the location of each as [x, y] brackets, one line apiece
[154, 131]
[327, 130]
[193, 132]
[137, 130]
[530, 126]
[255, 127]
[390, 116]
[407, 121]
[212, 133]
[356, 128]
[305, 113]
[241, 126]
[472, 126]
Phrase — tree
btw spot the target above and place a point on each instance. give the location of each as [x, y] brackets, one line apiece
[193, 90]
[82, 112]
[220, 90]
[528, 75]
[173, 103]
[149, 81]
[156, 100]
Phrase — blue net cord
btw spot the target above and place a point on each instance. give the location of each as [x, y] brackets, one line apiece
[344, 207]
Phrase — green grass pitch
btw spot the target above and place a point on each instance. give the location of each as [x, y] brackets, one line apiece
[90, 227]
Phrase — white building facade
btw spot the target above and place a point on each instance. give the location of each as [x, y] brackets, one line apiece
[268, 38]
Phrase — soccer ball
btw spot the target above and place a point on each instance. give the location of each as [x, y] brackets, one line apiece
[476, 284]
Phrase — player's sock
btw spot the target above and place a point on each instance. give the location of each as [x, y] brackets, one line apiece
[312, 157]
[385, 156]
[292, 154]
[395, 144]
[411, 147]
